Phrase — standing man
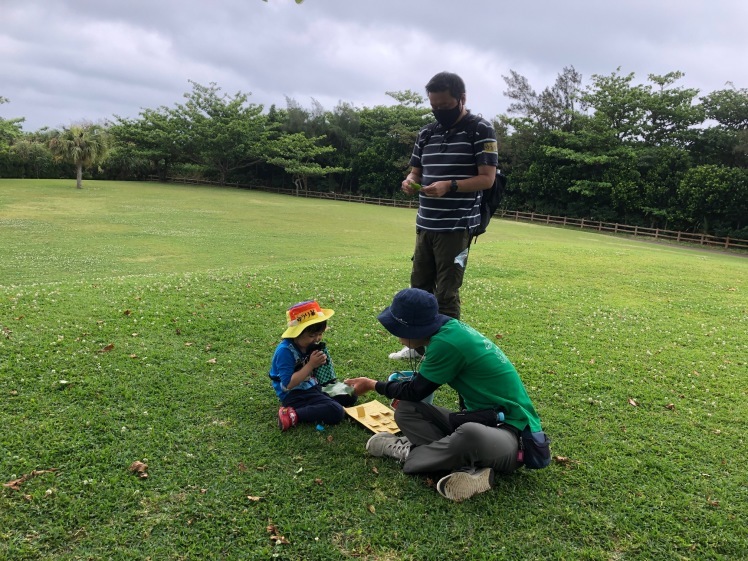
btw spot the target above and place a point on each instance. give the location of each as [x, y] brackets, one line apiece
[452, 163]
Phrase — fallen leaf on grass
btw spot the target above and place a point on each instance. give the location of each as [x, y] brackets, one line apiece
[139, 469]
[670, 406]
[712, 502]
[374, 469]
[242, 467]
[329, 438]
[499, 336]
[188, 344]
[211, 361]
[254, 499]
[633, 402]
[275, 535]
[106, 349]
[15, 485]
[133, 355]
[318, 481]
[127, 312]
[6, 332]
[372, 509]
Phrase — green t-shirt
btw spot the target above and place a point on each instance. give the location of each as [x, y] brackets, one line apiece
[480, 372]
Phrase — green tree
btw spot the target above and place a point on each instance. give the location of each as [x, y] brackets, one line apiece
[670, 112]
[83, 145]
[297, 155]
[220, 132]
[553, 108]
[715, 199]
[152, 140]
[34, 156]
[384, 145]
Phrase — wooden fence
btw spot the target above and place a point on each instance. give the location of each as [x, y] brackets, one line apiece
[703, 240]
[636, 231]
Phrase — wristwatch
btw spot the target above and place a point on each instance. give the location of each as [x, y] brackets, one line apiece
[453, 186]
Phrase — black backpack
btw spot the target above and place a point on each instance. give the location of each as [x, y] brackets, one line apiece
[490, 198]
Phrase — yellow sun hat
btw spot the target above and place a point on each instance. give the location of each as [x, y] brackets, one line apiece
[302, 315]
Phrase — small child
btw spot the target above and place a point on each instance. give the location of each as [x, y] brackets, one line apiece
[296, 361]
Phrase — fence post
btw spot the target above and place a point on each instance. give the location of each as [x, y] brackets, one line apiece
[727, 242]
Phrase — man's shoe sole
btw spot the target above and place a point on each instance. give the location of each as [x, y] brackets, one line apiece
[462, 485]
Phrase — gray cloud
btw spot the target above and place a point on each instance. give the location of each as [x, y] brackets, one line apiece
[66, 61]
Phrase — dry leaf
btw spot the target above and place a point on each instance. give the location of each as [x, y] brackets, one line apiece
[127, 312]
[275, 535]
[15, 485]
[318, 481]
[139, 469]
[212, 361]
[253, 499]
[133, 355]
[561, 459]
[106, 349]
[329, 438]
[633, 402]
[374, 469]
[242, 467]
[670, 406]
[188, 344]
[712, 502]
[372, 509]
[499, 336]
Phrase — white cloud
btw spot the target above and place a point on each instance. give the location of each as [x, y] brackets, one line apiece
[76, 59]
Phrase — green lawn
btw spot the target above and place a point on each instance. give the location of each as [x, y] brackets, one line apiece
[137, 322]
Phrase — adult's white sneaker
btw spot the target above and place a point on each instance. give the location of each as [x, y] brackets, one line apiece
[405, 353]
[463, 484]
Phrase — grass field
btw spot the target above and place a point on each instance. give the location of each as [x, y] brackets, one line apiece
[137, 322]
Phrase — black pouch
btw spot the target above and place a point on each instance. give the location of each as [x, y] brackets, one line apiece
[486, 417]
[535, 448]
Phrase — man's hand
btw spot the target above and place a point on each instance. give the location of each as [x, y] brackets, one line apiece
[437, 189]
[410, 186]
[361, 385]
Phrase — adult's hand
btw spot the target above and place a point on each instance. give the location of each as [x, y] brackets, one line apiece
[437, 189]
[361, 385]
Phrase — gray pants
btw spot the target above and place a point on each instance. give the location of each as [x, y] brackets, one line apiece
[434, 268]
[437, 448]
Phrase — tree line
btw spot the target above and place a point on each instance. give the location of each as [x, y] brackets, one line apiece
[653, 154]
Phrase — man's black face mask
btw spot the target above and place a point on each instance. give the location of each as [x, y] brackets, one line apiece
[447, 117]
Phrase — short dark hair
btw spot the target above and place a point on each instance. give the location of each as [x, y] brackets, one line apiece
[315, 328]
[446, 81]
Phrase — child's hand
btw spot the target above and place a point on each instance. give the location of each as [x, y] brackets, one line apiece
[317, 358]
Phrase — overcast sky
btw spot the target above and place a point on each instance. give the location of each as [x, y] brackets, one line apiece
[66, 61]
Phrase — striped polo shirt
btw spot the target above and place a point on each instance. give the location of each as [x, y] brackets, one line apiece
[450, 155]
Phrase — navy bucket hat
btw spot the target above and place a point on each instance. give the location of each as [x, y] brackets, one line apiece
[413, 314]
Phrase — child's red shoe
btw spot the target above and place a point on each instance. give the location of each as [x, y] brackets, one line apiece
[287, 418]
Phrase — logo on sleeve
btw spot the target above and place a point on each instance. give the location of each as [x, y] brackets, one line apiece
[491, 147]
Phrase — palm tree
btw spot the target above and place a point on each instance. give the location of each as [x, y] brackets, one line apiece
[81, 145]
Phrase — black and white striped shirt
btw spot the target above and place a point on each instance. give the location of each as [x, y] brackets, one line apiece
[450, 155]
